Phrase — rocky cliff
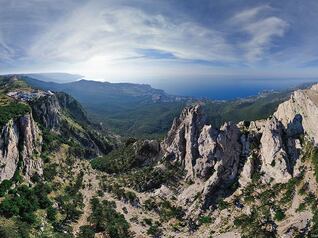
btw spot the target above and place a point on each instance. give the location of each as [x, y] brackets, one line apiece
[247, 179]
[219, 161]
[62, 114]
[20, 145]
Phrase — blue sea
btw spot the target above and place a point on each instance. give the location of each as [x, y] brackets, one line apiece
[228, 88]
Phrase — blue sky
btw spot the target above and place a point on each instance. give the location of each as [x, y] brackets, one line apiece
[155, 41]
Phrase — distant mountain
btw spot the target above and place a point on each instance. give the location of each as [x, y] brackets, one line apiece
[129, 109]
[56, 77]
[107, 91]
[142, 111]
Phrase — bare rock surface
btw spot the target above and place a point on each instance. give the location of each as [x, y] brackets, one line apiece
[273, 155]
[20, 140]
[301, 112]
[181, 143]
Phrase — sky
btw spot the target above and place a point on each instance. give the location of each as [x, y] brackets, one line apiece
[166, 42]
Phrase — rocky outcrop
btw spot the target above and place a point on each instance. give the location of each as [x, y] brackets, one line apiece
[226, 156]
[215, 158]
[9, 144]
[207, 154]
[247, 171]
[300, 112]
[275, 161]
[31, 140]
[181, 143]
[47, 110]
[69, 103]
[20, 143]
[62, 114]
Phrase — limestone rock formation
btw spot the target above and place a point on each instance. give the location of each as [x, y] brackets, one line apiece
[9, 156]
[226, 155]
[215, 158]
[62, 114]
[47, 110]
[301, 112]
[275, 162]
[247, 171]
[20, 142]
[31, 147]
[207, 154]
[181, 143]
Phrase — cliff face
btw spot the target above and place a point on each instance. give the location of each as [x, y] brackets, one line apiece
[47, 110]
[20, 143]
[181, 144]
[21, 138]
[303, 105]
[62, 114]
[216, 158]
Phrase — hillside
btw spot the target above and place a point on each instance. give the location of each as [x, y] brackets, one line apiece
[62, 176]
[251, 179]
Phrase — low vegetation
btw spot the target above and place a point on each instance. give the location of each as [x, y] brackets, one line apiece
[24, 201]
[107, 220]
[12, 111]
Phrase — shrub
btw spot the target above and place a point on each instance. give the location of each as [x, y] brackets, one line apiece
[148, 221]
[12, 111]
[279, 214]
[301, 207]
[106, 219]
[51, 214]
[23, 201]
[5, 186]
[120, 160]
[50, 172]
[154, 231]
[86, 232]
[223, 204]
[205, 219]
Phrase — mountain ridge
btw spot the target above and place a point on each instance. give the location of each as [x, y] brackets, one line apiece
[247, 179]
[145, 113]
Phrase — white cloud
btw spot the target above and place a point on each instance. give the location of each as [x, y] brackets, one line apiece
[261, 30]
[6, 52]
[118, 32]
[114, 37]
[249, 14]
[262, 33]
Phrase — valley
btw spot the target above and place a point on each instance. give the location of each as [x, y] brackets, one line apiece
[63, 175]
[140, 111]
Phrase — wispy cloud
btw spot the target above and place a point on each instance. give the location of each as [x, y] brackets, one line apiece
[261, 27]
[134, 38]
[119, 33]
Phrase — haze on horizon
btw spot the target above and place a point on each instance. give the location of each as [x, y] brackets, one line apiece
[168, 43]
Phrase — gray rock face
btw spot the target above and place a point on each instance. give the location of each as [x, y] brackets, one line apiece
[207, 154]
[57, 113]
[300, 112]
[214, 158]
[207, 143]
[32, 142]
[20, 140]
[227, 155]
[47, 111]
[247, 171]
[9, 156]
[181, 143]
[275, 163]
